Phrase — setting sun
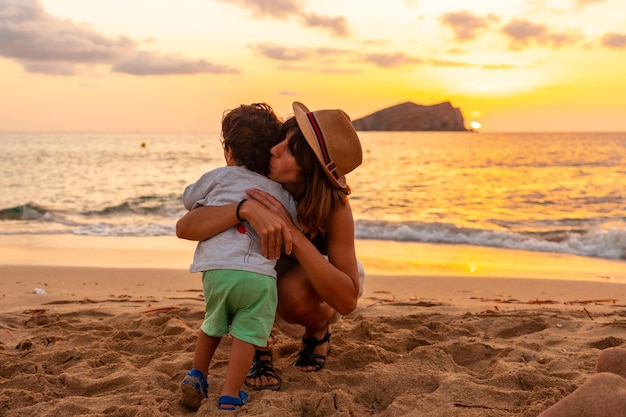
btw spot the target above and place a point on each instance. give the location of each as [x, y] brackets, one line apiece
[475, 125]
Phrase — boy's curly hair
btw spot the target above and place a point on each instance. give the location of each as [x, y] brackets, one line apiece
[250, 131]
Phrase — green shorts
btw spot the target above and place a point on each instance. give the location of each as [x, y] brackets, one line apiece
[245, 301]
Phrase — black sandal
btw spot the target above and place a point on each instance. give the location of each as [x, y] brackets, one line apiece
[307, 357]
[263, 367]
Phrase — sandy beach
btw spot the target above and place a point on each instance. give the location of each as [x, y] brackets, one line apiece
[107, 326]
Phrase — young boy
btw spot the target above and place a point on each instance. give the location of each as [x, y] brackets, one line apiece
[239, 282]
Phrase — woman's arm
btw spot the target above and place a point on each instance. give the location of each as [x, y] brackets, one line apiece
[204, 222]
[336, 280]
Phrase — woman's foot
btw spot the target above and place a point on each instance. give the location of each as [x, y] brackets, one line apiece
[262, 374]
[313, 352]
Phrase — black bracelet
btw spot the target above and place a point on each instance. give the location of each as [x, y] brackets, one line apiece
[237, 211]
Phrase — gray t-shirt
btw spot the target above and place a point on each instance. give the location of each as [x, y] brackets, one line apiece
[238, 247]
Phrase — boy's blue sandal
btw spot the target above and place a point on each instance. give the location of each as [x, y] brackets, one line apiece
[194, 389]
[235, 402]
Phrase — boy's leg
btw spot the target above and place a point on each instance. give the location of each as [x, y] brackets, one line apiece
[239, 361]
[205, 348]
[194, 387]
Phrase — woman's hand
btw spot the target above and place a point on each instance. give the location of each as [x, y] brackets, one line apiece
[272, 204]
[270, 220]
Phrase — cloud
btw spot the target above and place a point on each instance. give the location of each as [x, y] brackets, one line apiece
[522, 32]
[298, 60]
[329, 59]
[337, 25]
[332, 57]
[284, 9]
[276, 9]
[465, 25]
[145, 63]
[43, 43]
[28, 33]
[614, 41]
[397, 59]
[49, 68]
[280, 53]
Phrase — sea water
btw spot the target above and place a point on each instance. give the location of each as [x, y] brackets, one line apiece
[548, 192]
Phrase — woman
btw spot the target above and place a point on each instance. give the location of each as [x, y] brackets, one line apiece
[320, 279]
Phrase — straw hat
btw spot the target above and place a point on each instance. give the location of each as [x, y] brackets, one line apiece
[333, 139]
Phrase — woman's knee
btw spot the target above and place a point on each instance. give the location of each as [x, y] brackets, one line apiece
[294, 288]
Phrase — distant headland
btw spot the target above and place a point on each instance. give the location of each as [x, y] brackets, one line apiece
[413, 117]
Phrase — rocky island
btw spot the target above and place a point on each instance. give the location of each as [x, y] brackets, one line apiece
[413, 117]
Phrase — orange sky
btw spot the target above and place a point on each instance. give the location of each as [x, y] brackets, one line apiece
[159, 65]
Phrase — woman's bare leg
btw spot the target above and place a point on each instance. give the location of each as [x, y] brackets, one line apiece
[298, 303]
[602, 395]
